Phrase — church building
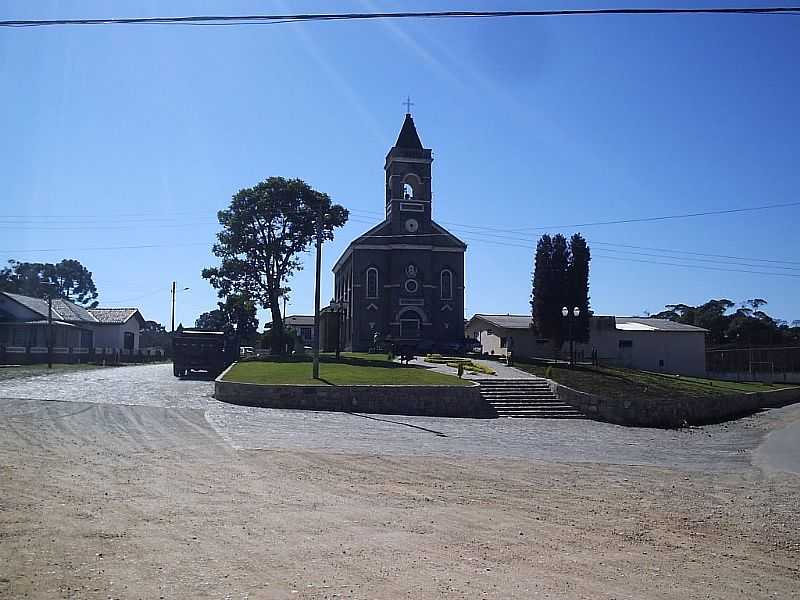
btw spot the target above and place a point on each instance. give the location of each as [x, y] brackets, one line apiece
[404, 278]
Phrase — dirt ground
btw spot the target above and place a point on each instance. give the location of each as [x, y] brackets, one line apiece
[124, 501]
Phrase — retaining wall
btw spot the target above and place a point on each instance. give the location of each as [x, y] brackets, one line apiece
[673, 412]
[420, 400]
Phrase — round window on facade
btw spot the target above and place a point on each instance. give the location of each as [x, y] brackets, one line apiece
[411, 286]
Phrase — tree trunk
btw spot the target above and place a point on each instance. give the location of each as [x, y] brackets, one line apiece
[277, 342]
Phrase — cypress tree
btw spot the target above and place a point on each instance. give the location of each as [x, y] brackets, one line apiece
[578, 277]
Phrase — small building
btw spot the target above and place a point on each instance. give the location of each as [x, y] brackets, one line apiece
[303, 326]
[24, 323]
[632, 342]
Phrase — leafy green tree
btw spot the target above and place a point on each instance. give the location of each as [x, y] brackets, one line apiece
[154, 335]
[264, 231]
[213, 320]
[236, 313]
[747, 325]
[68, 278]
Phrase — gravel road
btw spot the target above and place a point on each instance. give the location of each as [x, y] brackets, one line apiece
[129, 483]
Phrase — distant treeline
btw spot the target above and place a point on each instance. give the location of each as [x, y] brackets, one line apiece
[735, 326]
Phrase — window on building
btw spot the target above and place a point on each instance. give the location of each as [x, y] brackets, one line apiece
[626, 343]
[128, 340]
[372, 282]
[446, 284]
[411, 286]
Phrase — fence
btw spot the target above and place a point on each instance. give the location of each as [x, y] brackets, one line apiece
[767, 364]
[27, 355]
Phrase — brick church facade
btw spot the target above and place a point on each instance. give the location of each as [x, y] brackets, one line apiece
[404, 278]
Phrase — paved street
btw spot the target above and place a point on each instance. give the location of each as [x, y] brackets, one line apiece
[129, 483]
[137, 390]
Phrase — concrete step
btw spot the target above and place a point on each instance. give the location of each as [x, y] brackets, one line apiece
[517, 394]
[541, 405]
[509, 382]
[514, 415]
[515, 388]
[495, 391]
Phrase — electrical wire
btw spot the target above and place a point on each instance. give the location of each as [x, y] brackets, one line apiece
[278, 19]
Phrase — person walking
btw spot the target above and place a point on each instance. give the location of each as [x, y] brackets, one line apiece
[510, 351]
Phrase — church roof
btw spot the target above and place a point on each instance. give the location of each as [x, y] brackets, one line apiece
[408, 138]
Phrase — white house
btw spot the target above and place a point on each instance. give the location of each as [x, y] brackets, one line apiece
[634, 342]
[76, 330]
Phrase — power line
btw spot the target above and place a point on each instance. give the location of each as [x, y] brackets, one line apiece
[104, 248]
[705, 213]
[277, 19]
[655, 262]
[750, 258]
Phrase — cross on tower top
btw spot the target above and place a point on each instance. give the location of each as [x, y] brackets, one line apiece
[408, 104]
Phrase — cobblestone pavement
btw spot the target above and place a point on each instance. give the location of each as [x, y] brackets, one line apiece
[725, 447]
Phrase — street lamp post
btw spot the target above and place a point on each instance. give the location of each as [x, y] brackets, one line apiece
[51, 289]
[569, 315]
[173, 304]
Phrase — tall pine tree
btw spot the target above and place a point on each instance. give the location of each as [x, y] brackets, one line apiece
[578, 286]
[561, 278]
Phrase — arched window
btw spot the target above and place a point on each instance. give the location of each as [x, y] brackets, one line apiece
[372, 282]
[446, 284]
[408, 191]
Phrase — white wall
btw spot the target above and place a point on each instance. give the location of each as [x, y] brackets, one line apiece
[682, 352]
[113, 336]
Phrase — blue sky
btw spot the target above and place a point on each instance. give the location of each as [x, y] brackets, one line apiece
[130, 135]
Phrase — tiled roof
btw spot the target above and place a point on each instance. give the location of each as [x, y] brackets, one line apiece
[112, 315]
[64, 310]
[71, 311]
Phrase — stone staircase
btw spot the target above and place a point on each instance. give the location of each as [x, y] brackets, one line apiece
[526, 398]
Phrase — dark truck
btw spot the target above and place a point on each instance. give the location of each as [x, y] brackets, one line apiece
[201, 350]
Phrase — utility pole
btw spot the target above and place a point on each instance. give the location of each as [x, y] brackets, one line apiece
[315, 372]
[173, 307]
[50, 329]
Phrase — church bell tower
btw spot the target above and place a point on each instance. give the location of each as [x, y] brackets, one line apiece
[408, 183]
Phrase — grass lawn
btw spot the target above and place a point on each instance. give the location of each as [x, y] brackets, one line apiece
[351, 369]
[11, 372]
[619, 383]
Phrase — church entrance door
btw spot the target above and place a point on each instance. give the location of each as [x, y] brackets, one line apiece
[410, 328]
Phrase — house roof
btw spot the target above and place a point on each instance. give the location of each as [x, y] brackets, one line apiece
[70, 311]
[506, 321]
[113, 315]
[645, 324]
[408, 138]
[380, 237]
[45, 322]
[622, 323]
[65, 310]
[299, 320]
[36, 305]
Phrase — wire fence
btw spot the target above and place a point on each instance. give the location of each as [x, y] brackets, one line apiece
[768, 364]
